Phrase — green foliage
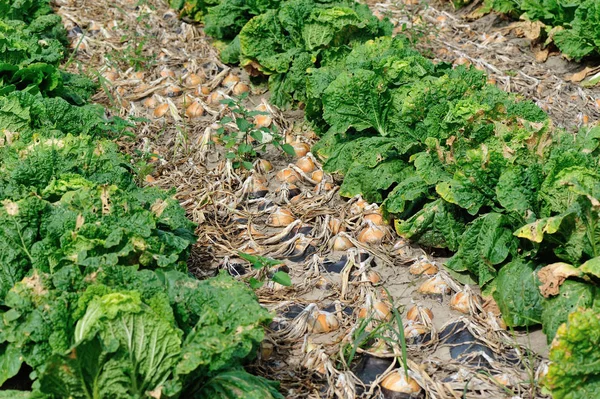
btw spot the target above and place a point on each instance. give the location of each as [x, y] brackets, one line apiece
[285, 42]
[574, 371]
[94, 292]
[574, 24]
[518, 295]
[242, 137]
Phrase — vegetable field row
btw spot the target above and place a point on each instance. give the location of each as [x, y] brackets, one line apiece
[573, 26]
[95, 297]
[458, 163]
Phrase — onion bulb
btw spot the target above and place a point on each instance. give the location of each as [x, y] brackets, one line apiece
[161, 110]
[150, 102]
[323, 186]
[173, 91]
[287, 175]
[373, 277]
[306, 164]
[462, 61]
[336, 225]
[193, 80]
[202, 91]
[195, 110]
[300, 148]
[415, 330]
[379, 311]
[281, 217]
[166, 72]
[341, 243]
[230, 80]
[110, 76]
[462, 300]
[263, 166]
[358, 206]
[374, 218]
[398, 382]
[322, 322]
[419, 313]
[435, 286]
[150, 179]
[215, 98]
[423, 267]
[240, 88]
[317, 176]
[263, 120]
[371, 235]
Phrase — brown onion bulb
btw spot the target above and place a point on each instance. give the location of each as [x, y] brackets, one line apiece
[301, 149]
[342, 243]
[415, 330]
[193, 80]
[423, 268]
[263, 120]
[287, 175]
[195, 110]
[435, 286]
[150, 102]
[336, 225]
[173, 91]
[263, 166]
[240, 89]
[306, 164]
[322, 322]
[371, 235]
[166, 72]
[230, 80]
[374, 218]
[397, 382]
[215, 98]
[281, 217]
[161, 110]
[415, 313]
[317, 176]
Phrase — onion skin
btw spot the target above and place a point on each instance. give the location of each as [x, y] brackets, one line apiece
[215, 98]
[161, 110]
[415, 313]
[195, 110]
[371, 235]
[415, 330]
[374, 218]
[341, 243]
[263, 120]
[336, 225]
[435, 286]
[322, 322]
[301, 149]
[381, 311]
[317, 176]
[150, 102]
[193, 80]
[287, 175]
[230, 80]
[398, 383]
[423, 268]
[306, 164]
[240, 88]
[281, 217]
[264, 166]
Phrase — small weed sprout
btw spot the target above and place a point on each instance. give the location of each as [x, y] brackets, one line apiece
[243, 138]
